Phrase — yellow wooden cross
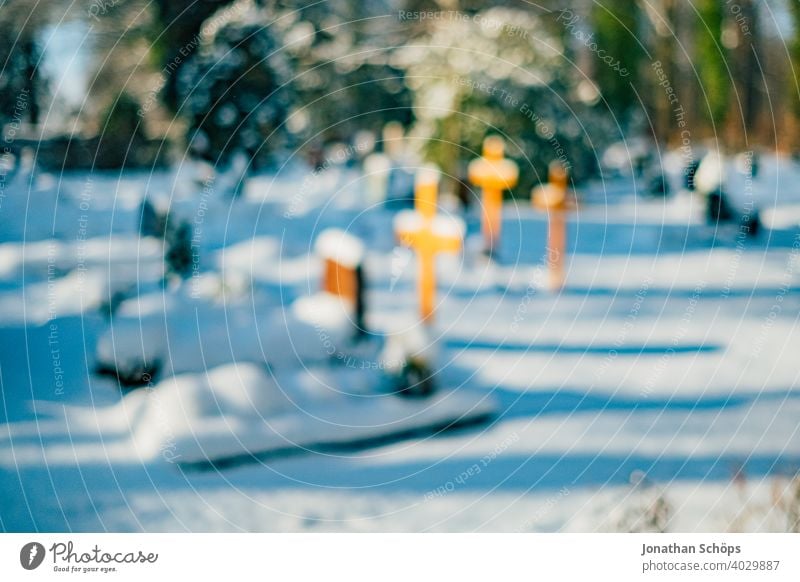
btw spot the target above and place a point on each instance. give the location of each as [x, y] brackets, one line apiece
[553, 199]
[428, 234]
[426, 191]
[493, 174]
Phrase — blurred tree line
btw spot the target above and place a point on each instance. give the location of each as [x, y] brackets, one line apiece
[558, 79]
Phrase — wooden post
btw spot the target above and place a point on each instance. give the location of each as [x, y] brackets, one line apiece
[342, 254]
[493, 173]
[553, 199]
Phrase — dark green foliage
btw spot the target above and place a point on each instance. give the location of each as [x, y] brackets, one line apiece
[466, 87]
[122, 140]
[792, 90]
[233, 93]
[180, 22]
[616, 27]
[152, 223]
[712, 68]
[415, 380]
[541, 124]
[341, 100]
[108, 307]
[178, 249]
[20, 80]
[136, 376]
[345, 82]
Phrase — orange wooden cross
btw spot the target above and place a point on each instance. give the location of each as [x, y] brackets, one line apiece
[493, 174]
[553, 199]
[343, 254]
[428, 234]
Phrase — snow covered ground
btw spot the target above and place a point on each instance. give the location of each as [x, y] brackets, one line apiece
[664, 370]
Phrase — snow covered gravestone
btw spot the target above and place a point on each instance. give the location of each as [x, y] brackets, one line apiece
[343, 255]
[377, 168]
[552, 198]
[428, 234]
[399, 187]
[493, 174]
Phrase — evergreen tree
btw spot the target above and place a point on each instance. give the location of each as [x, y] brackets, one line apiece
[792, 86]
[122, 139]
[616, 28]
[21, 80]
[233, 92]
[712, 65]
[346, 82]
[468, 81]
[179, 24]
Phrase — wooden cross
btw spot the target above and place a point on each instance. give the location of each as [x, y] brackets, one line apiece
[428, 234]
[426, 191]
[493, 174]
[553, 199]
